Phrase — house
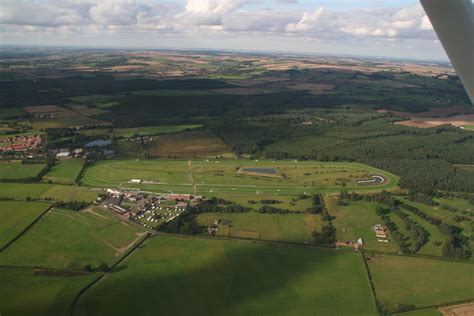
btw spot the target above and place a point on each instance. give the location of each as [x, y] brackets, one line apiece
[180, 197]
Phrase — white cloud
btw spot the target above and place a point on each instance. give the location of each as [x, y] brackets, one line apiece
[114, 12]
[210, 19]
[307, 21]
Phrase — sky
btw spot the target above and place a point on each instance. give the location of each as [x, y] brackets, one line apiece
[378, 28]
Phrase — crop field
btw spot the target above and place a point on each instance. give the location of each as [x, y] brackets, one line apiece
[65, 171]
[24, 292]
[355, 221]
[17, 170]
[419, 281]
[63, 119]
[172, 93]
[289, 227]
[188, 145]
[139, 131]
[216, 277]
[69, 239]
[16, 216]
[213, 177]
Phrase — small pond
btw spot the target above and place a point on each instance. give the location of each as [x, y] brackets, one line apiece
[99, 143]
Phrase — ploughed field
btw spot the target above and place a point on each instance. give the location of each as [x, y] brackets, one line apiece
[211, 177]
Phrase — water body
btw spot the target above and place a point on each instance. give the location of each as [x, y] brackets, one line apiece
[261, 170]
[99, 143]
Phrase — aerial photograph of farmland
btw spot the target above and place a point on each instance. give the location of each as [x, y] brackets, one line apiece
[235, 157]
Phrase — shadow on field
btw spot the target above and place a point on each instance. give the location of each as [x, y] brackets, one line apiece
[235, 277]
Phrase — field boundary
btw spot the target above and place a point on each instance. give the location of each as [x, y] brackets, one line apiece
[470, 300]
[74, 303]
[27, 228]
[372, 287]
[432, 257]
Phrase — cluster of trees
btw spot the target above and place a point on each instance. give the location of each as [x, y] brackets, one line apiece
[266, 209]
[421, 198]
[383, 197]
[270, 201]
[399, 238]
[317, 206]
[455, 244]
[417, 233]
[216, 205]
[103, 267]
[186, 223]
[327, 235]
[72, 205]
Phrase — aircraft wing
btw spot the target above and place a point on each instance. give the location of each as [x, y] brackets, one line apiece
[453, 22]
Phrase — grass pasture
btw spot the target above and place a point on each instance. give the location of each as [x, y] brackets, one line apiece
[23, 190]
[15, 216]
[25, 293]
[65, 171]
[402, 280]
[139, 131]
[275, 227]
[355, 221]
[216, 177]
[254, 201]
[182, 276]
[68, 239]
[18, 171]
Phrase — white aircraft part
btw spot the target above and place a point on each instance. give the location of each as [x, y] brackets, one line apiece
[453, 22]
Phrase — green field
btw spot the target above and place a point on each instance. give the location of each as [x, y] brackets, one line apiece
[139, 131]
[16, 216]
[18, 171]
[181, 276]
[68, 239]
[253, 201]
[65, 171]
[355, 221]
[24, 293]
[275, 227]
[469, 127]
[219, 176]
[420, 282]
[48, 191]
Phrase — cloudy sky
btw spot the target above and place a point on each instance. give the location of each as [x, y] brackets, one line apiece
[395, 28]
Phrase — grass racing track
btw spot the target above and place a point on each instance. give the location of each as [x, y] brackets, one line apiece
[219, 176]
